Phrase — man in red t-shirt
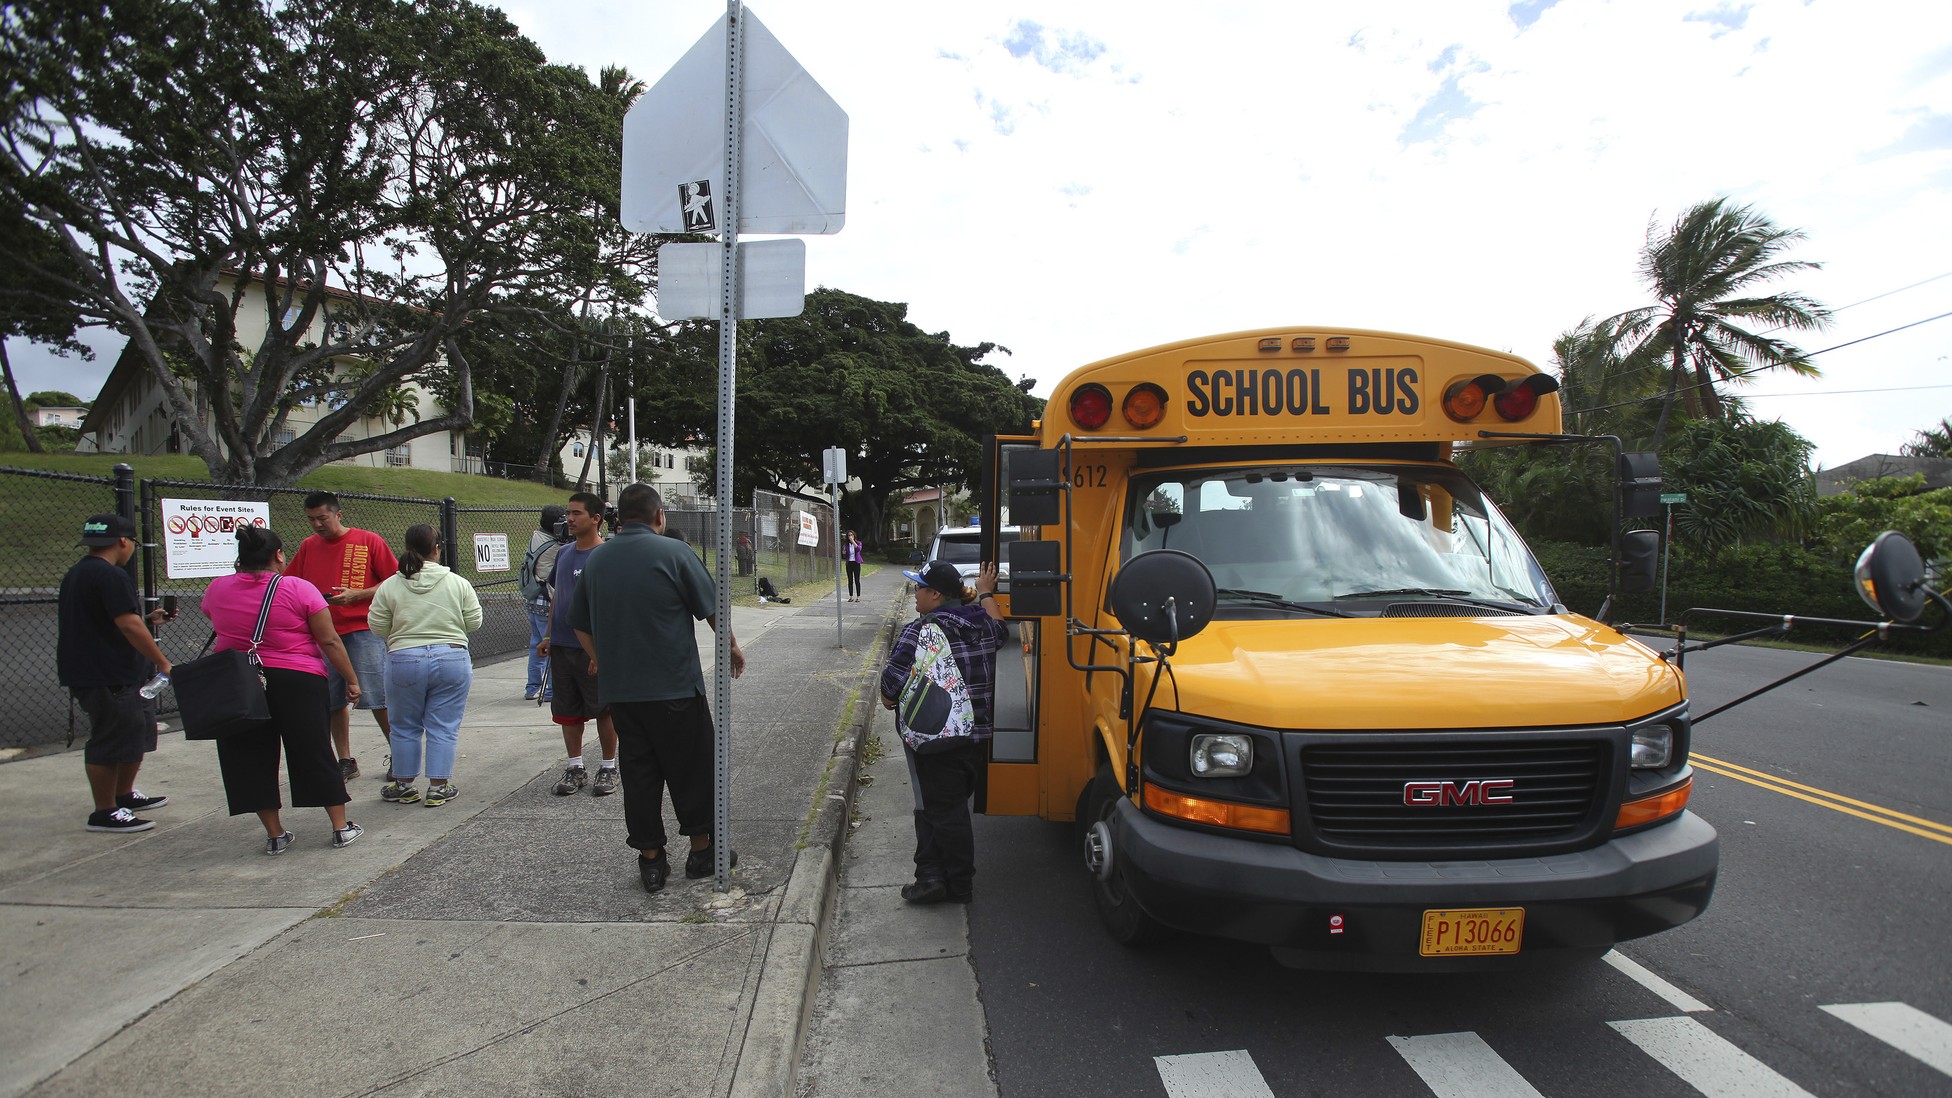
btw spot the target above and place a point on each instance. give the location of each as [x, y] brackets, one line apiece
[347, 565]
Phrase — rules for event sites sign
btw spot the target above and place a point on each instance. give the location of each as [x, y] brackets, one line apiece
[200, 535]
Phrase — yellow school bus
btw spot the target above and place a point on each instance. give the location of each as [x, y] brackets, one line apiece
[1301, 684]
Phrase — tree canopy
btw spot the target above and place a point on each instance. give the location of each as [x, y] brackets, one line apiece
[912, 407]
[387, 172]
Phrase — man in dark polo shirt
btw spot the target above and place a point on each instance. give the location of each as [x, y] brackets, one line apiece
[103, 656]
[633, 610]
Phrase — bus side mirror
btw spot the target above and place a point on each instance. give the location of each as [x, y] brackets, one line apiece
[1163, 597]
[1036, 578]
[1891, 577]
[1640, 553]
[1034, 484]
[1640, 484]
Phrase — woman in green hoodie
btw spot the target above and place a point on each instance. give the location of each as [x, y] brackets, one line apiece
[425, 612]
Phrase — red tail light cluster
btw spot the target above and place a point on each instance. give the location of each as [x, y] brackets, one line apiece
[1144, 406]
[1512, 399]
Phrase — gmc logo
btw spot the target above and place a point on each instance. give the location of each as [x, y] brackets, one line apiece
[1475, 791]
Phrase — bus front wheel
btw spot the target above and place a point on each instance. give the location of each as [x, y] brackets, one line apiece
[1124, 920]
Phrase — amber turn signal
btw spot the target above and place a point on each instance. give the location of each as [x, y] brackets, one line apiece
[1657, 807]
[1241, 817]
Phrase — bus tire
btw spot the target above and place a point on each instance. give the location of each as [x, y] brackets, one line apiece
[1124, 920]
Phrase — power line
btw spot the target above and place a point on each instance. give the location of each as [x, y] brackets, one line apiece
[1842, 392]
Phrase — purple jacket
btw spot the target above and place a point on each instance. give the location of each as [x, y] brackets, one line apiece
[974, 638]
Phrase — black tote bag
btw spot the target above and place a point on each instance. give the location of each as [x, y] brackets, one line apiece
[222, 694]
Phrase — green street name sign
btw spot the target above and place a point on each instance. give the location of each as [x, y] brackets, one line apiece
[1674, 497]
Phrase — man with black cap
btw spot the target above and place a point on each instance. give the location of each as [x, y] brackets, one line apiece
[944, 780]
[103, 656]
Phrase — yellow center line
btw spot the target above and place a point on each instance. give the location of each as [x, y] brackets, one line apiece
[1825, 799]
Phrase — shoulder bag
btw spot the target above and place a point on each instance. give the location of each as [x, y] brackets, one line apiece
[222, 694]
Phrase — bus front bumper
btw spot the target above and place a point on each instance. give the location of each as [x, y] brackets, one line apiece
[1342, 913]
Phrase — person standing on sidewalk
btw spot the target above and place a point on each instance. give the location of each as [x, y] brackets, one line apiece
[633, 610]
[103, 655]
[851, 552]
[538, 565]
[571, 670]
[425, 611]
[299, 644]
[944, 780]
[347, 565]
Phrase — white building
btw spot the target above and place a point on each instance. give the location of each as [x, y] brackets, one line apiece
[57, 417]
[131, 415]
[665, 468]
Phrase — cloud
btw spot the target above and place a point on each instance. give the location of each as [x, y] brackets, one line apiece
[1058, 51]
[1725, 18]
[1526, 12]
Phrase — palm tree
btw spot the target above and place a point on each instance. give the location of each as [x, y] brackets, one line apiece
[1706, 271]
[1931, 442]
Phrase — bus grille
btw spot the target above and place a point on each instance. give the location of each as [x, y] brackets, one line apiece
[1356, 793]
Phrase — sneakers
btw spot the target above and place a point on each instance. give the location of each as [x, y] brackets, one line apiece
[530, 693]
[347, 835]
[399, 792]
[930, 890]
[606, 782]
[574, 778]
[134, 801]
[438, 795]
[698, 863]
[653, 871]
[116, 819]
[277, 844]
[349, 769]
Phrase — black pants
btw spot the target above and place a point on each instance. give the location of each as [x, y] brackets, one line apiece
[662, 743]
[854, 577]
[249, 760]
[945, 841]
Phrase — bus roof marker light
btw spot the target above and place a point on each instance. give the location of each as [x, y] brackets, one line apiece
[1145, 405]
[1091, 406]
[1522, 399]
[1303, 344]
[1464, 400]
[1338, 343]
[1267, 345]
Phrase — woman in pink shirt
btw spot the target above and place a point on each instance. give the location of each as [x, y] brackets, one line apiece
[298, 640]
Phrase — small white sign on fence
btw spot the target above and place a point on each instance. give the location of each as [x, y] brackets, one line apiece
[491, 552]
[809, 528]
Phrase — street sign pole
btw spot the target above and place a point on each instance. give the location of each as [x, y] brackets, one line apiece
[728, 336]
[1668, 500]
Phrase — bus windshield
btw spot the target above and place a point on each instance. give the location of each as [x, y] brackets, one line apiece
[1336, 539]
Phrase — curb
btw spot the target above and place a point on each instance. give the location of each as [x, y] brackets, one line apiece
[789, 977]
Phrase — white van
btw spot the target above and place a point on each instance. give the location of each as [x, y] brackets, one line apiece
[962, 546]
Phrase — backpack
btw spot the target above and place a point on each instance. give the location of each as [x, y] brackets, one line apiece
[769, 593]
[934, 711]
[532, 578]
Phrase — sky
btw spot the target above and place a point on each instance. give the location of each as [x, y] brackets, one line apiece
[1073, 180]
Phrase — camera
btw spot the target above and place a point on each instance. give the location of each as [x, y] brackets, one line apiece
[610, 518]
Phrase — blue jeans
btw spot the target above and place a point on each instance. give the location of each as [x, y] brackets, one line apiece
[538, 625]
[428, 691]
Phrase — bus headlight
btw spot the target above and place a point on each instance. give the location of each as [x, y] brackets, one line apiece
[1653, 745]
[1222, 755]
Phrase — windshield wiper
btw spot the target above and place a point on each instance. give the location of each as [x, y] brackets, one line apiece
[1452, 593]
[1269, 598]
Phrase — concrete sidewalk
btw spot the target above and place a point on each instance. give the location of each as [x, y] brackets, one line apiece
[499, 944]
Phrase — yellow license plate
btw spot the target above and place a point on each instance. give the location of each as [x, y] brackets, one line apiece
[1472, 931]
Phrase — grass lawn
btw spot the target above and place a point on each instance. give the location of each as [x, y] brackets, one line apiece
[468, 489]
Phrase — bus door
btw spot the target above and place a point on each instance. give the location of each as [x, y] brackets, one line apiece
[1012, 787]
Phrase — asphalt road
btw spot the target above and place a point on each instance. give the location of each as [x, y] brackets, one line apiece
[1817, 908]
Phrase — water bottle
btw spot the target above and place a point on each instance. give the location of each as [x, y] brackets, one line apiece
[155, 686]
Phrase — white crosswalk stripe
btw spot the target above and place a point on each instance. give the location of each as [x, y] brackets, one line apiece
[1461, 1065]
[1706, 1060]
[1903, 1027]
[1212, 1075]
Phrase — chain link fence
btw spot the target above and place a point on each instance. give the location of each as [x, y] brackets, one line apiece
[780, 524]
[40, 530]
[178, 522]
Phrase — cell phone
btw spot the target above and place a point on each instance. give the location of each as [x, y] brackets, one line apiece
[169, 605]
